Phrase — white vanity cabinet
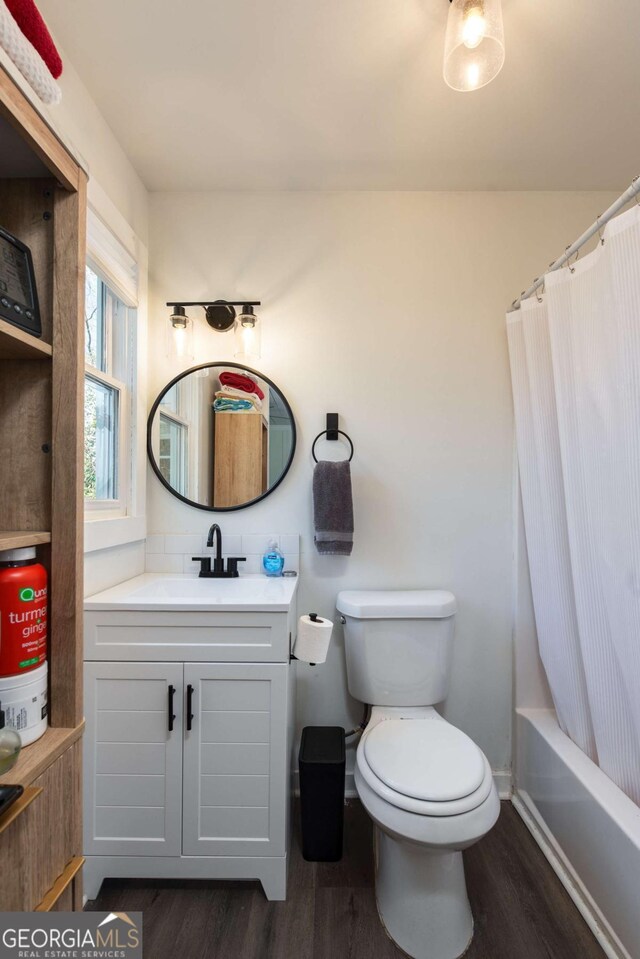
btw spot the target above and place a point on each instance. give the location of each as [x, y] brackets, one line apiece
[133, 763]
[235, 762]
[187, 762]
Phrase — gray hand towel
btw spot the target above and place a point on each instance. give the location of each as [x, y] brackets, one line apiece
[333, 508]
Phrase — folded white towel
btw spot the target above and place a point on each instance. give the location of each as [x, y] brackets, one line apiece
[27, 59]
[230, 391]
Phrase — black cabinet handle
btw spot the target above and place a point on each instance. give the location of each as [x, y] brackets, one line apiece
[171, 691]
[189, 707]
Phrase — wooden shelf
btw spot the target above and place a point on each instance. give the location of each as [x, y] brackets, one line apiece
[35, 758]
[16, 539]
[15, 344]
[19, 806]
[63, 881]
[43, 202]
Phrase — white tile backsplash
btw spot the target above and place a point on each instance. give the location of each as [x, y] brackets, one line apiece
[232, 545]
[182, 543]
[174, 552]
[155, 543]
[258, 542]
[290, 544]
[164, 563]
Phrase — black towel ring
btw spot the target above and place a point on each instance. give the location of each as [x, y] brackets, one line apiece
[342, 433]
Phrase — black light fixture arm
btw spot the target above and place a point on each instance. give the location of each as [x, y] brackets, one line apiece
[205, 303]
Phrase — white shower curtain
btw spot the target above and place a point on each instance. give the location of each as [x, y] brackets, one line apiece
[575, 363]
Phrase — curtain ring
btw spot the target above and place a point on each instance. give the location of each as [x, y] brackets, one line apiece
[599, 230]
[540, 291]
[635, 180]
[572, 269]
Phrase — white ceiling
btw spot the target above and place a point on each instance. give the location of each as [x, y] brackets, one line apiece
[348, 94]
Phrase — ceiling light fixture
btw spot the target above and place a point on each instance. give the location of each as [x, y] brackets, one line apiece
[474, 44]
[221, 316]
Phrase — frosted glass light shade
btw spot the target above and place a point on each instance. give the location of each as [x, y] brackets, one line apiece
[248, 336]
[474, 44]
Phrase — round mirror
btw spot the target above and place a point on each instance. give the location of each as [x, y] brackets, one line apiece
[221, 436]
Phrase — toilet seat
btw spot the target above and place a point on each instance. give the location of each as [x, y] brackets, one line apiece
[424, 759]
[424, 766]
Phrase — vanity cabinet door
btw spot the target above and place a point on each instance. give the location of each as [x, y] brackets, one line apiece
[235, 762]
[133, 759]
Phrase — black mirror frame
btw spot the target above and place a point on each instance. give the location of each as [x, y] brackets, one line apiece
[154, 409]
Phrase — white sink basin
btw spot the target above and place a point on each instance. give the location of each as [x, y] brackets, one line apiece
[255, 593]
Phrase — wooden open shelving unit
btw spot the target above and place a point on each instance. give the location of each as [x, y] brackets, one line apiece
[16, 345]
[19, 806]
[14, 539]
[41, 504]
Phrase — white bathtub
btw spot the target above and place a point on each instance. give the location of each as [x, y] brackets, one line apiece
[588, 828]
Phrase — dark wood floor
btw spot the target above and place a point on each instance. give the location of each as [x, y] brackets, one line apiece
[521, 909]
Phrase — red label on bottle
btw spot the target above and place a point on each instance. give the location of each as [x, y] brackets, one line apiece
[23, 618]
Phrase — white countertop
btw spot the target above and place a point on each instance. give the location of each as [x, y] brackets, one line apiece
[187, 592]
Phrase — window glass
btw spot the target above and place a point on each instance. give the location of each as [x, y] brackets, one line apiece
[109, 360]
[94, 321]
[173, 452]
[100, 440]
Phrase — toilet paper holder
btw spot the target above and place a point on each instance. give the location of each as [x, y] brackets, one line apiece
[314, 619]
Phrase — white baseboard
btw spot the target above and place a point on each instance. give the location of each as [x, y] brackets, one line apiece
[609, 942]
[502, 779]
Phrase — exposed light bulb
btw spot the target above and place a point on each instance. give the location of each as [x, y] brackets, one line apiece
[473, 75]
[179, 335]
[180, 340]
[474, 43]
[247, 335]
[474, 27]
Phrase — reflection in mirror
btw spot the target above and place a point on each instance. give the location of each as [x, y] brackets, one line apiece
[221, 436]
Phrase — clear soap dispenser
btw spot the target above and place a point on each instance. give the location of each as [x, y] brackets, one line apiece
[10, 746]
[273, 560]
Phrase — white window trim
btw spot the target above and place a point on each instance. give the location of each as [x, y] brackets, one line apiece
[102, 529]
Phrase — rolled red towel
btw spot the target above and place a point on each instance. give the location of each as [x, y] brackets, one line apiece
[241, 382]
[30, 21]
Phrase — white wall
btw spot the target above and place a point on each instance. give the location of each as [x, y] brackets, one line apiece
[79, 124]
[122, 200]
[387, 308]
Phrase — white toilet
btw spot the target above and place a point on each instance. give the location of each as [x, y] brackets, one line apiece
[425, 784]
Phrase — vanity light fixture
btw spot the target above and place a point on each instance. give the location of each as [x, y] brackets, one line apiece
[248, 335]
[474, 44]
[180, 335]
[221, 316]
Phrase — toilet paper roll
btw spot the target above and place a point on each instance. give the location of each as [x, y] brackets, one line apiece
[312, 641]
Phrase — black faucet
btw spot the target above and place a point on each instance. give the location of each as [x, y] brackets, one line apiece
[218, 563]
[218, 571]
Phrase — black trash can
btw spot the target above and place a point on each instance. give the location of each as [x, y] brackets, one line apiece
[321, 762]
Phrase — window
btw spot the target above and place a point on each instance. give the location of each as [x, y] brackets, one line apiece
[115, 378]
[109, 359]
[174, 440]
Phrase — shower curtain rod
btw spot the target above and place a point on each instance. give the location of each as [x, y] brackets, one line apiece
[596, 227]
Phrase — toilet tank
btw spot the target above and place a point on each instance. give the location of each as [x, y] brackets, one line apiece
[398, 645]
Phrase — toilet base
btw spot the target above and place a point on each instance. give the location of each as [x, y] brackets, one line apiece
[422, 899]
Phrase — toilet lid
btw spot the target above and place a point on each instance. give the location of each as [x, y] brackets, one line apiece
[424, 758]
